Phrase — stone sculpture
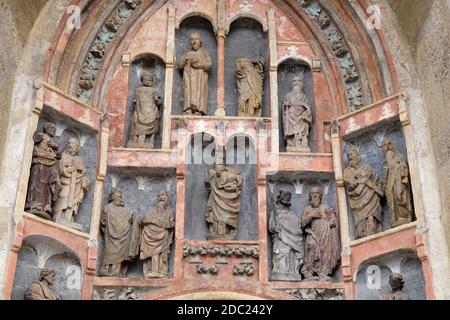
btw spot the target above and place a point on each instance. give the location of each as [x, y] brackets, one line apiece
[146, 116]
[156, 238]
[322, 244]
[364, 194]
[287, 235]
[224, 186]
[74, 182]
[397, 187]
[297, 117]
[42, 290]
[396, 282]
[196, 64]
[45, 185]
[121, 229]
[250, 83]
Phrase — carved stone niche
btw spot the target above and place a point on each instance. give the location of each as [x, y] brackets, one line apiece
[39, 253]
[290, 101]
[246, 39]
[239, 155]
[299, 185]
[203, 27]
[140, 189]
[370, 142]
[372, 277]
[146, 64]
[69, 129]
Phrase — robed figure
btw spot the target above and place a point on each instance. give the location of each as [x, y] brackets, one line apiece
[156, 238]
[250, 84]
[74, 183]
[42, 290]
[297, 117]
[397, 187]
[45, 185]
[196, 64]
[287, 237]
[322, 244]
[364, 193]
[224, 186]
[121, 229]
[147, 114]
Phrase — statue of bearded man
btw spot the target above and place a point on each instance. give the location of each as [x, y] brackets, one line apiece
[156, 238]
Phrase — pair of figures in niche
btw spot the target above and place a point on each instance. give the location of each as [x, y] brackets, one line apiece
[58, 181]
[129, 237]
[365, 190]
[307, 246]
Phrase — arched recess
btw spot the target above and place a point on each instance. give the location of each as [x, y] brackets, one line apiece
[39, 253]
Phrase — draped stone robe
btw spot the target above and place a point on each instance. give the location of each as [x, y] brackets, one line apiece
[147, 115]
[45, 184]
[121, 230]
[41, 291]
[195, 81]
[288, 250]
[322, 244]
[363, 199]
[224, 198]
[250, 82]
[157, 232]
[397, 189]
[297, 119]
[74, 182]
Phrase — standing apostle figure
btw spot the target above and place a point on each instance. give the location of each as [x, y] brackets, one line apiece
[297, 117]
[45, 185]
[74, 183]
[196, 64]
[146, 116]
[250, 83]
[288, 251]
[156, 238]
[322, 245]
[364, 194]
[121, 230]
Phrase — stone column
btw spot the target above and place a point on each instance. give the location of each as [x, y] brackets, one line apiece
[221, 36]
[342, 205]
[275, 134]
[170, 62]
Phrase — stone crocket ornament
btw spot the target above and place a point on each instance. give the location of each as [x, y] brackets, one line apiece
[121, 230]
[146, 115]
[196, 65]
[250, 84]
[397, 283]
[41, 290]
[287, 236]
[156, 238]
[322, 244]
[224, 187]
[74, 185]
[364, 193]
[397, 187]
[45, 184]
[297, 117]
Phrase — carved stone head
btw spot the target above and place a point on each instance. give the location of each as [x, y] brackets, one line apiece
[50, 129]
[48, 276]
[115, 196]
[195, 41]
[315, 196]
[297, 82]
[387, 145]
[284, 198]
[147, 79]
[163, 198]
[396, 281]
[354, 157]
[73, 147]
